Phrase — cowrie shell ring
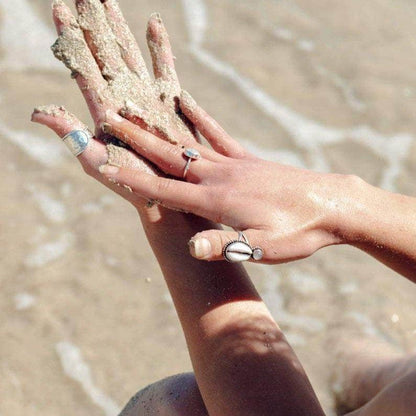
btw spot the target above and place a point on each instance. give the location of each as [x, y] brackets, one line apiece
[240, 250]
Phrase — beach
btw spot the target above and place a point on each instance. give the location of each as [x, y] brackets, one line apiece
[86, 319]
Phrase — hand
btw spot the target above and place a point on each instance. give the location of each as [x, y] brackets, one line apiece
[97, 153]
[290, 213]
[109, 69]
[108, 66]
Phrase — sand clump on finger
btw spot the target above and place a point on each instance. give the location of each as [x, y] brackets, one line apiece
[118, 154]
[56, 111]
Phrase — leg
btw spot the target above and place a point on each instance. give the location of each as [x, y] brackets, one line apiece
[398, 399]
[174, 396]
[371, 376]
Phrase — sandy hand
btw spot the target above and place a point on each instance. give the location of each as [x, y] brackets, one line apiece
[108, 66]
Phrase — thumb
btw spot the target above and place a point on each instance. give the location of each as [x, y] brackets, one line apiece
[210, 245]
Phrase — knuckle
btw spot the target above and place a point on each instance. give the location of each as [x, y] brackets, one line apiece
[169, 155]
[221, 239]
[222, 204]
[172, 150]
[131, 181]
[162, 187]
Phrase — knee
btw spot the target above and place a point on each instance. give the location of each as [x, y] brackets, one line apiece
[174, 396]
[406, 393]
[398, 399]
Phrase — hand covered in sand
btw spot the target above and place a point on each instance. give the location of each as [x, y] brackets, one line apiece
[289, 213]
[107, 64]
[106, 61]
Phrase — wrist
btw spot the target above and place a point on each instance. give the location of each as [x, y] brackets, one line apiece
[364, 214]
[163, 223]
[350, 208]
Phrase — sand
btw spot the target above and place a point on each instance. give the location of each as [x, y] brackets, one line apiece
[157, 99]
[75, 264]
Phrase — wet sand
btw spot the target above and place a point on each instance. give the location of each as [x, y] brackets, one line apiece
[86, 317]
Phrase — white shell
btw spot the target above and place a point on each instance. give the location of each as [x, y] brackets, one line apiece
[237, 251]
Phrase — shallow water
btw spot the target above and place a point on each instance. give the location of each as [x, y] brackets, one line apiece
[323, 85]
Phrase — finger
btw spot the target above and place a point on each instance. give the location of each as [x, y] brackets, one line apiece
[209, 245]
[170, 193]
[168, 157]
[62, 122]
[72, 50]
[161, 51]
[210, 129]
[100, 38]
[96, 154]
[130, 50]
[166, 126]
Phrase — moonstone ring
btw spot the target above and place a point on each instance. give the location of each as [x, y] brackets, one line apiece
[191, 154]
[240, 250]
[77, 141]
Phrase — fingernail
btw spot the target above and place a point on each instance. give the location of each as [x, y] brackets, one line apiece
[106, 128]
[200, 248]
[131, 109]
[112, 116]
[156, 16]
[108, 169]
[56, 3]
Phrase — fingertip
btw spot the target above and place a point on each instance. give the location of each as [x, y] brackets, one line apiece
[209, 128]
[112, 117]
[37, 117]
[56, 118]
[57, 3]
[200, 248]
[156, 16]
[62, 16]
[109, 170]
[186, 102]
[156, 31]
[199, 117]
[160, 50]
[44, 114]
[33, 116]
[155, 22]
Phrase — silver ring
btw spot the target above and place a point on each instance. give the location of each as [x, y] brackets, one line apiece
[240, 250]
[191, 154]
[77, 141]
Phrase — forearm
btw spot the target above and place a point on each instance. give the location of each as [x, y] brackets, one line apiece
[241, 359]
[383, 224]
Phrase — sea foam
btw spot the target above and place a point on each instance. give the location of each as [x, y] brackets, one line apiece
[306, 133]
[52, 208]
[44, 254]
[78, 370]
[25, 38]
[48, 152]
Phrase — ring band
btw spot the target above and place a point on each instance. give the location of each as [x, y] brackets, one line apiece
[240, 250]
[77, 141]
[191, 154]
